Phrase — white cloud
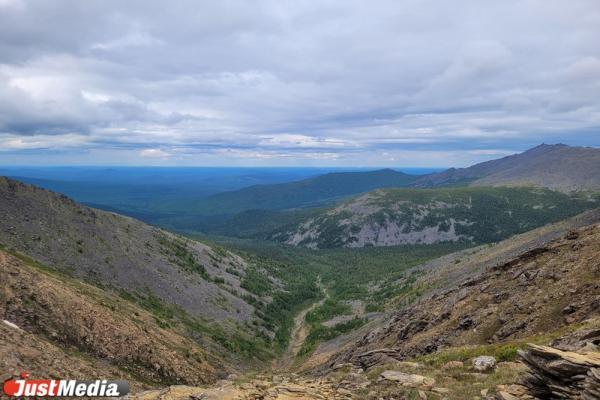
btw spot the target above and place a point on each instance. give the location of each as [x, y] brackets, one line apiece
[283, 81]
[10, 142]
[302, 141]
[154, 153]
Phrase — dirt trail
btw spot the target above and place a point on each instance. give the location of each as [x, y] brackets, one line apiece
[299, 333]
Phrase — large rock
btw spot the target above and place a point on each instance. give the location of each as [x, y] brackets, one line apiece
[561, 374]
[405, 379]
[484, 363]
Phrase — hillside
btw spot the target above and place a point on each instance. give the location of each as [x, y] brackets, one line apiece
[558, 167]
[425, 216]
[240, 307]
[118, 252]
[304, 193]
[56, 326]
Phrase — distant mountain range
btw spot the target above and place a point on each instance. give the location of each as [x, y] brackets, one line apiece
[315, 191]
[558, 167]
[92, 293]
[303, 212]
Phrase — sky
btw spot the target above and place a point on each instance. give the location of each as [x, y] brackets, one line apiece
[295, 83]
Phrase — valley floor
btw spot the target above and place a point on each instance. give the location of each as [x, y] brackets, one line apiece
[298, 336]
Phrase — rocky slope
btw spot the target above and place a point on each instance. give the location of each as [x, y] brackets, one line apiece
[571, 374]
[121, 253]
[416, 216]
[542, 290]
[558, 167]
[52, 325]
[211, 297]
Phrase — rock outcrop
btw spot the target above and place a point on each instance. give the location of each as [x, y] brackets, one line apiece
[557, 374]
[392, 217]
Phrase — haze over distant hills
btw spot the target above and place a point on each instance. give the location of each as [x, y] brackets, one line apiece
[558, 167]
[304, 193]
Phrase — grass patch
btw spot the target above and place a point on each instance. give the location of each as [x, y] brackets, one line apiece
[319, 333]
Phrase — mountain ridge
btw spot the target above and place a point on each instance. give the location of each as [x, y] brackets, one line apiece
[297, 194]
[390, 217]
[156, 342]
[558, 167]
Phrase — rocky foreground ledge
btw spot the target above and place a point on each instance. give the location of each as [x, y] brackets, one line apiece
[551, 373]
[280, 387]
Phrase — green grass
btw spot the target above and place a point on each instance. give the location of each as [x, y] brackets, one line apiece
[504, 351]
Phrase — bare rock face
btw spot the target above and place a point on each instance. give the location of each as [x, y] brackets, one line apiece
[582, 340]
[558, 374]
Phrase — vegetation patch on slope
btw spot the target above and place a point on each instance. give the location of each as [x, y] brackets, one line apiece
[394, 217]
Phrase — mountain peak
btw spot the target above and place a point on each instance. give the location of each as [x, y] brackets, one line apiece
[546, 146]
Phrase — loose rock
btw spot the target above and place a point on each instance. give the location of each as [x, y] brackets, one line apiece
[484, 363]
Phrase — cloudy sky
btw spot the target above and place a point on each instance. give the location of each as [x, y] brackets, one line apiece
[332, 83]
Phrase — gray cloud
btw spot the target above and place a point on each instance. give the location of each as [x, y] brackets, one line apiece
[332, 82]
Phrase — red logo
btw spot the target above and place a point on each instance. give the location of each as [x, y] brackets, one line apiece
[64, 388]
